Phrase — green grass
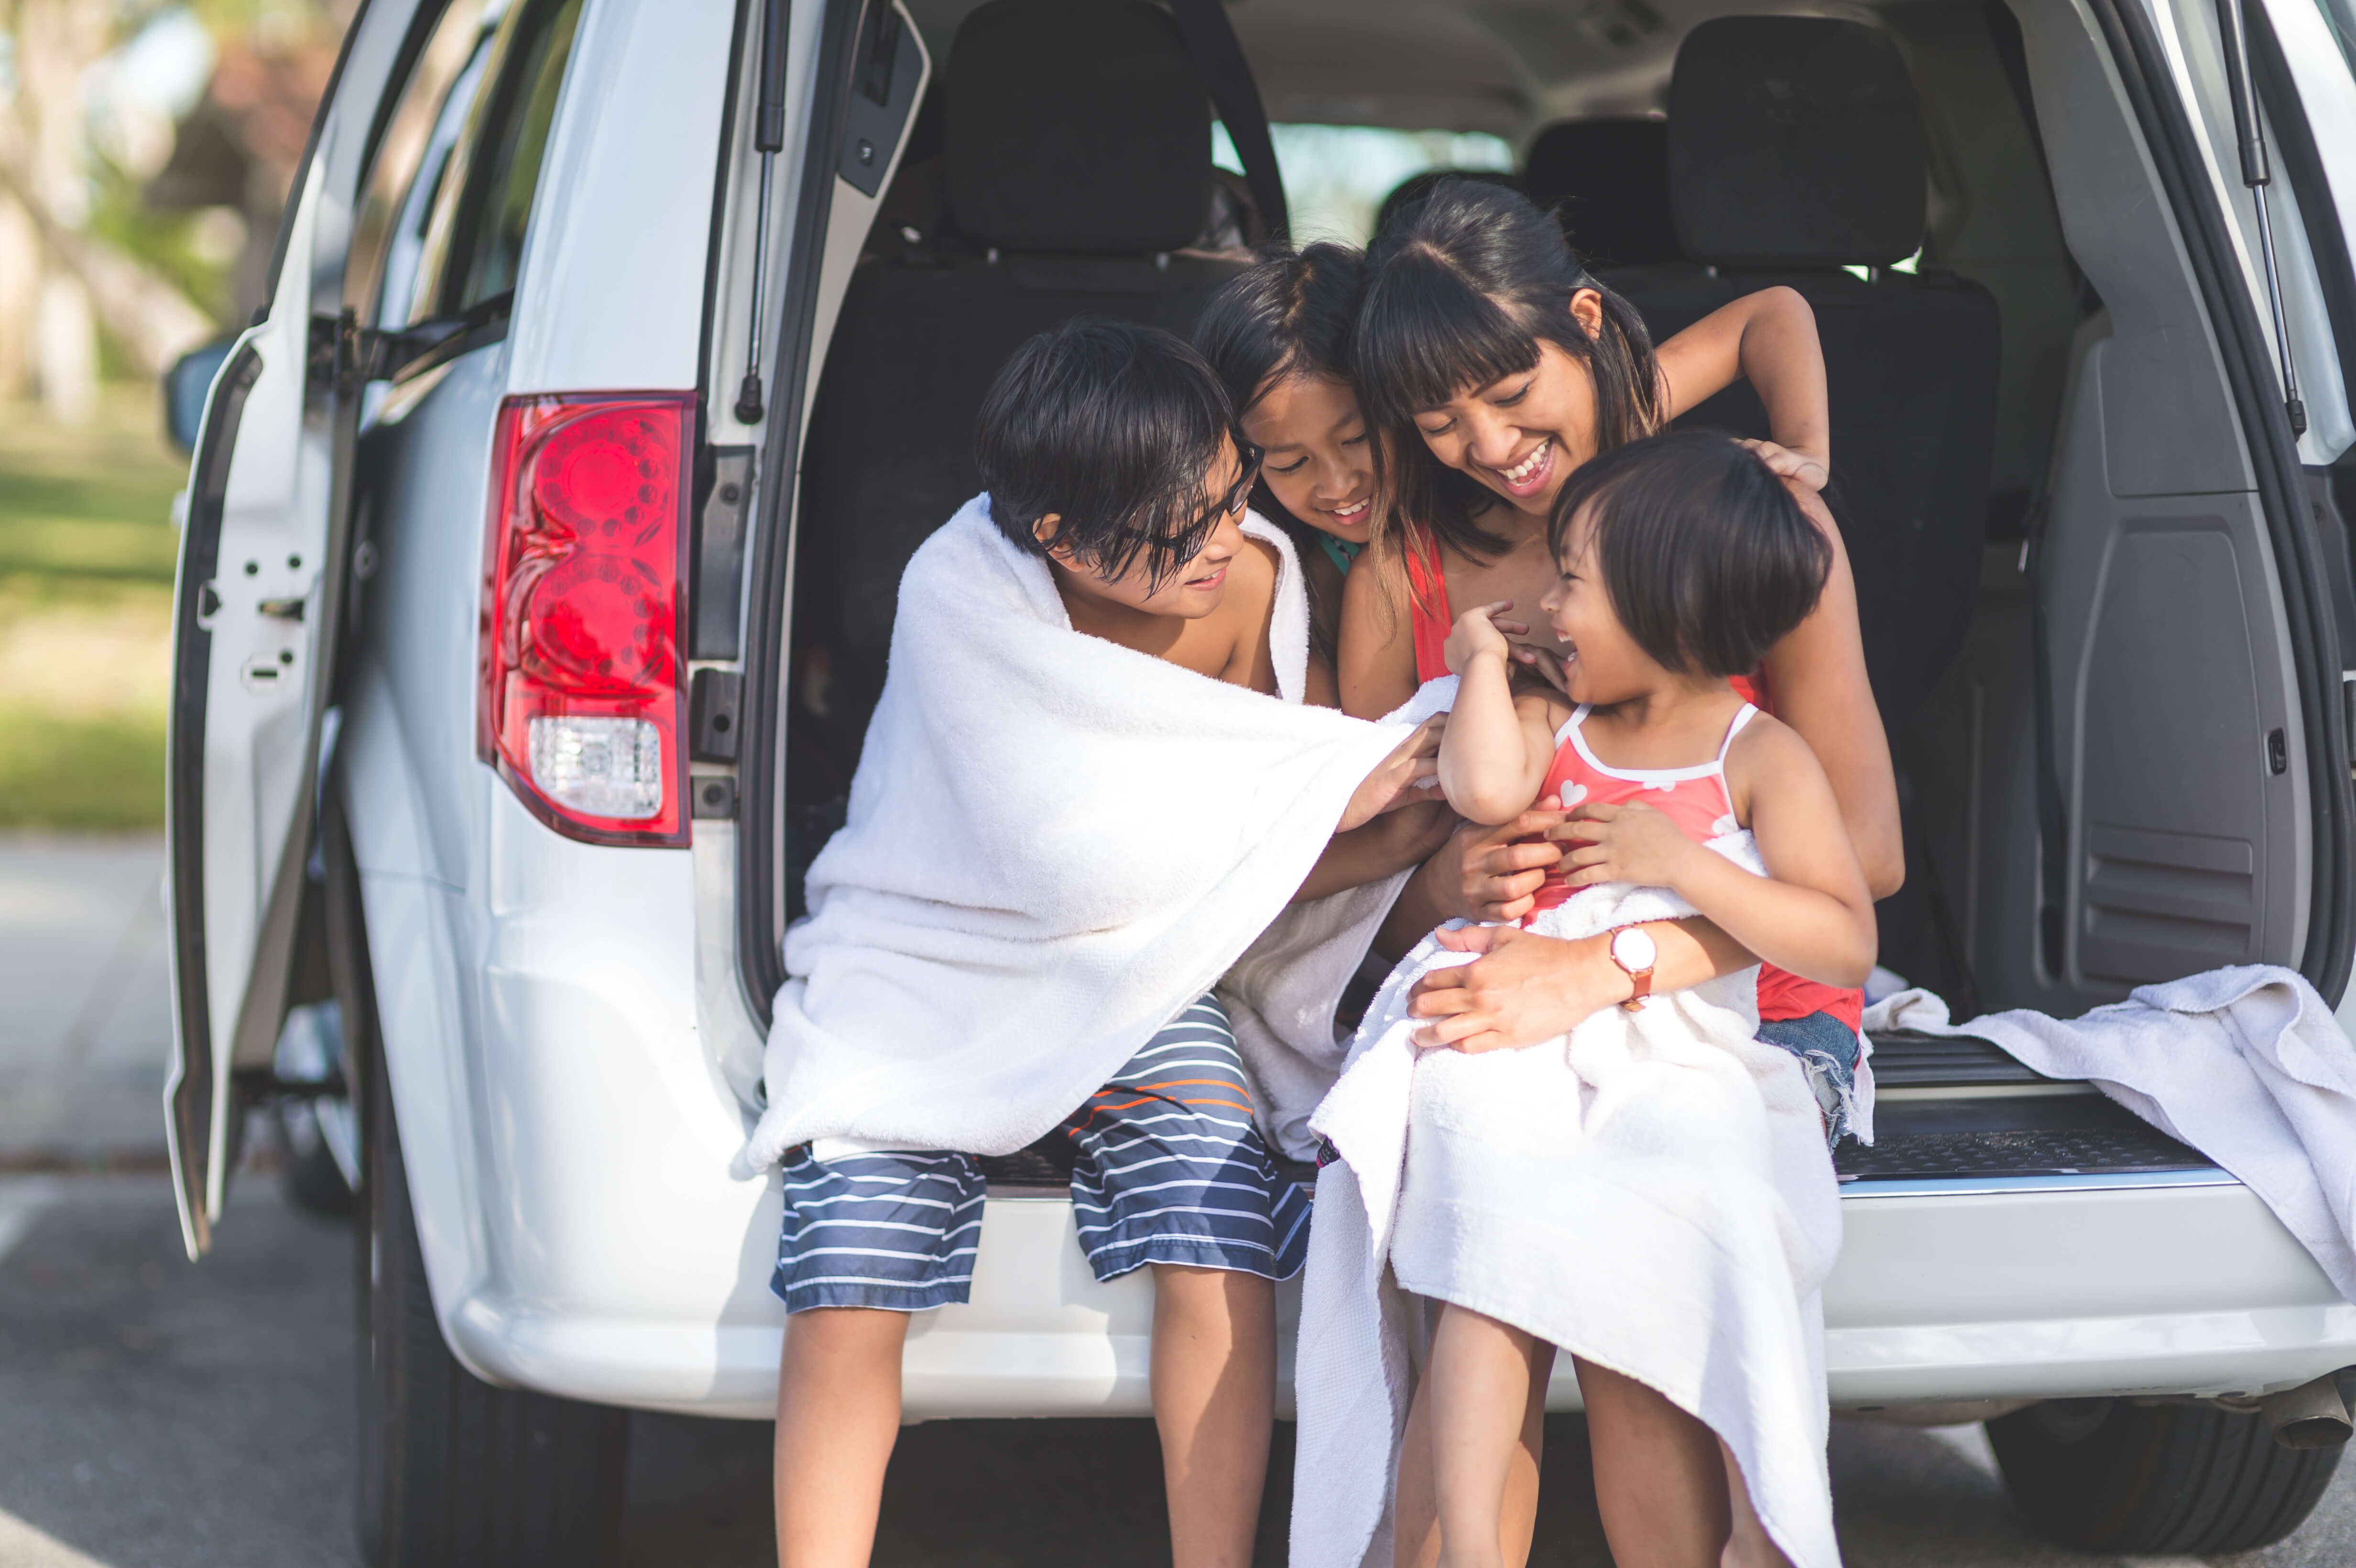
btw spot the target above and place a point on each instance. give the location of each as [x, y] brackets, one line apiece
[87, 550]
[102, 773]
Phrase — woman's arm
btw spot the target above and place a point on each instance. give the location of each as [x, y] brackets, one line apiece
[1768, 338]
[1377, 665]
[1809, 914]
[1318, 689]
[1816, 684]
[1525, 989]
[1389, 844]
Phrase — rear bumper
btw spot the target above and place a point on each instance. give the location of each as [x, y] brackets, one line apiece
[1959, 1294]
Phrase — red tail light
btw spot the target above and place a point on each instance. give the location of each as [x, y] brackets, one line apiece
[584, 698]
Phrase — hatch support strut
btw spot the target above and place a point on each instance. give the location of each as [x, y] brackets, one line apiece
[2234, 29]
[768, 140]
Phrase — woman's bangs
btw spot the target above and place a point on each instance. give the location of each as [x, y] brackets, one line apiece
[1427, 336]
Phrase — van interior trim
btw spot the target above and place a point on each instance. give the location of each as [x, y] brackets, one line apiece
[761, 839]
[2136, 52]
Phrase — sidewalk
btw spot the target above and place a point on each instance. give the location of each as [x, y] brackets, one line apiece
[85, 1001]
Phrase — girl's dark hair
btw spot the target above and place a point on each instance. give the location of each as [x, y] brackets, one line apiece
[1463, 287]
[1707, 558]
[1289, 314]
[1113, 428]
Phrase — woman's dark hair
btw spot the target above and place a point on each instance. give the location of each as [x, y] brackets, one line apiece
[1113, 428]
[1463, 287]
[1289, 314]
[1707, 558]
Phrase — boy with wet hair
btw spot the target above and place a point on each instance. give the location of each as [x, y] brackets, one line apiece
[1111, 453]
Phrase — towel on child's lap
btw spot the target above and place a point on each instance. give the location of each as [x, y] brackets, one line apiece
[1650, 1192]
[1054, 844]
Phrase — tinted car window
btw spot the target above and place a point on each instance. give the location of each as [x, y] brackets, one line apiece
[475, 238]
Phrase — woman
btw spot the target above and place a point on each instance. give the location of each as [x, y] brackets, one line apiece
[1495, 366]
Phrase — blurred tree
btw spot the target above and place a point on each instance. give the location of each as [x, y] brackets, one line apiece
[82, 246]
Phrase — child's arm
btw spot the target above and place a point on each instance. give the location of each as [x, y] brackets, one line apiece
[1810, 914]
[1375, 667]
[1494, 756]
[1768, 338]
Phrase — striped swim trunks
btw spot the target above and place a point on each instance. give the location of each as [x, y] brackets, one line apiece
[1169, 1169]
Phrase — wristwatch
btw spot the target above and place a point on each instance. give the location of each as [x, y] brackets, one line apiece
[1632, 950]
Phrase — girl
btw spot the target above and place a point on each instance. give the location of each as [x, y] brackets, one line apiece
[1497, 367]
[1278, 335]
[1666, 1207]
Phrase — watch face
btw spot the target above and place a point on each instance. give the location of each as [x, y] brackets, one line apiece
[1633, 950]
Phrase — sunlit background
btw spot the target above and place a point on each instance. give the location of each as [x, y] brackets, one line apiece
[144, 152]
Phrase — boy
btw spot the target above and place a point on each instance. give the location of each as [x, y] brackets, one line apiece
[1111, 456]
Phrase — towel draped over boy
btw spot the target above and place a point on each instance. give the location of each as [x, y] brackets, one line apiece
[1054, 844]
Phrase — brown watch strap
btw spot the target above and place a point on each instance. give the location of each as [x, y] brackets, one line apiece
[1644, 981]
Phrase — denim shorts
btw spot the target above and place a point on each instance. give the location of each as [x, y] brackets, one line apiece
[1170, 1169]
[1827, 1049]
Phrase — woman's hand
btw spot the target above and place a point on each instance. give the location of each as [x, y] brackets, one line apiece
[1479, 631]
[1409, 776]
[1485, 874]
[1522, 989]
[1546, 663]
[1631, 843]
[1394, 842]
[1808, 470]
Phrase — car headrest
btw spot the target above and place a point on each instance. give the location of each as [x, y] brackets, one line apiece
[1076, 125]
[1794, 141]
[1610, 179]
[1417, 186]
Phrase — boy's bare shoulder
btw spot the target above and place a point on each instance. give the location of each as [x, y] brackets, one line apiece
[1250, 597]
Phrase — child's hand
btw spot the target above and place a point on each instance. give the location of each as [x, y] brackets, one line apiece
[1631, 843]
[1409, 775]
[1810, 469]
[1478, 631]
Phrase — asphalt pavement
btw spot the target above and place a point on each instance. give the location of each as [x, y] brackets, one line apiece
[156, 1413]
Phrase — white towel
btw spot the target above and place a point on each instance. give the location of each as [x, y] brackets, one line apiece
[2247, 1064]
[1054, 845]
[1650, 1192]
[1282, 994]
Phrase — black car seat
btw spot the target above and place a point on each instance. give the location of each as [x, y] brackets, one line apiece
[1608, 180]
[1075, 163]
[1795, 150]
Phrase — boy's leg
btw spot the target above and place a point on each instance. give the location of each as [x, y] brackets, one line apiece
[1415, 1516]
[1172, 1173]
[868, 1239]
[837, 1416]
[1659, 1482]
[1213, 1398]
[1479, 1387]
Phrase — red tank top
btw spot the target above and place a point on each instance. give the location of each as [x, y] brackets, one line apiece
[1697, 801]
[1428, 619]
[1694, 798]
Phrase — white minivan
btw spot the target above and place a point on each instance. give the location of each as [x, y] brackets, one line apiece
[539, 559]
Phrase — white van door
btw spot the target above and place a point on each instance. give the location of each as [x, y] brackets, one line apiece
[261, 583]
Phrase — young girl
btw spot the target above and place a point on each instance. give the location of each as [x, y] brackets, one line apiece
[1278, 334]
[1651, 1190]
